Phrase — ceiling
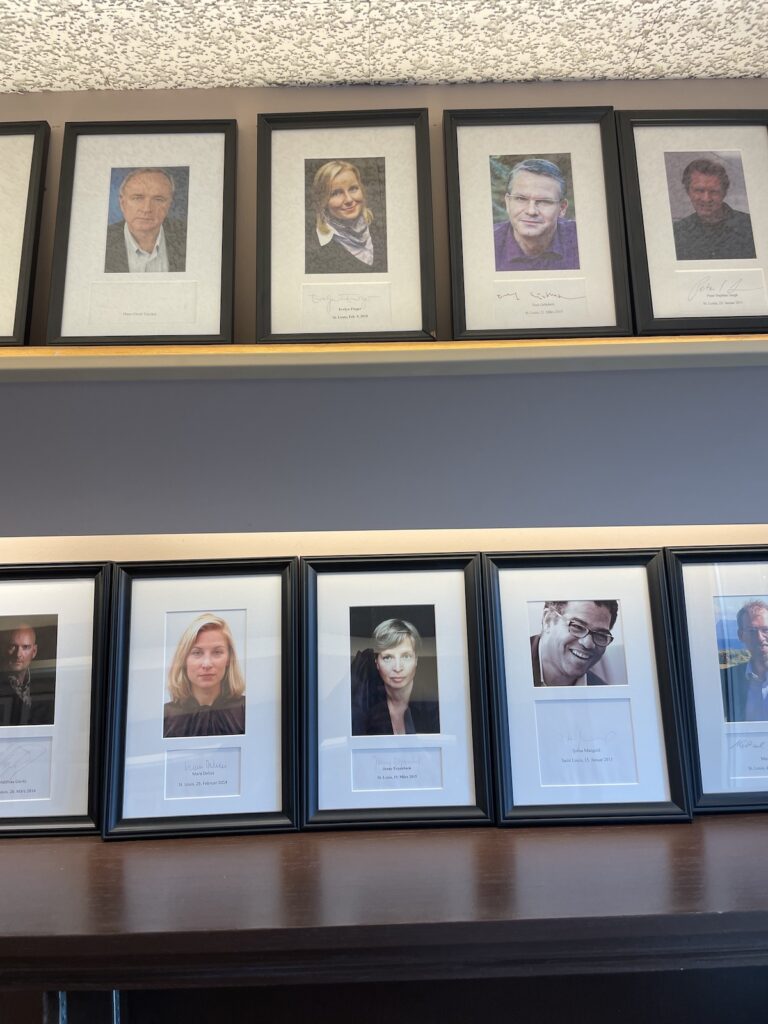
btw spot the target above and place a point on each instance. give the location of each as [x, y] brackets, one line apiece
[174, 44]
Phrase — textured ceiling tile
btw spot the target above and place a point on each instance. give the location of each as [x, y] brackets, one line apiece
[131, 44]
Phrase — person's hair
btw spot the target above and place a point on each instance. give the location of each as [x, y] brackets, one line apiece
[746, 612]
[534, 165]
[233, 683]
[392, 632]
[321, 191]
[612, 606]
[148, 170]
[703, 165]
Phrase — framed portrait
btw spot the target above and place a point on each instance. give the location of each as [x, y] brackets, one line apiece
[53, 630]
[395, 729]
[536, 225]
[345, 249]
[586, 704]
[202, 714]
[23, 152]
[720, 600]
[144, 243]
[697, 220]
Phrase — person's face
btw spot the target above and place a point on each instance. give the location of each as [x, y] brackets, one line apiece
[534, 205]
[754, 634]
[397, 665]
[706, 193]
[565, 657]
[145, 202]
[21, 650]
[207, 662]
[345, 200]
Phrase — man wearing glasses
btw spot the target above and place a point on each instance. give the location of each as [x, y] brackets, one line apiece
[537, 236]
[745, 686]
[574, 637]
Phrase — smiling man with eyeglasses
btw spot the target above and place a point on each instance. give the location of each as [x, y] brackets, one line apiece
[574, 637]
[537, 236]
[745, 685]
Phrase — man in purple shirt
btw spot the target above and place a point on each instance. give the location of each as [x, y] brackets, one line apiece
[537, 236]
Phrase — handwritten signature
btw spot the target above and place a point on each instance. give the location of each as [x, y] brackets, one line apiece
[587, 741]
[725, 286]
[17, 759]
[743, 744]
[341, 303]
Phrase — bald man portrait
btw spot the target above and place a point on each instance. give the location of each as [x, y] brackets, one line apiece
[27, 693]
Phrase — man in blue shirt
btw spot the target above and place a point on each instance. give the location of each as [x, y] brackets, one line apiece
[537, 236]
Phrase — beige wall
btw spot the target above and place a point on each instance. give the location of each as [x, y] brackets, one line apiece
[245, 104]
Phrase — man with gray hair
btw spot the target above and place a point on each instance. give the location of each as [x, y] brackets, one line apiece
[745, 685]
[714, 231]
[536, 236]
[145, 242]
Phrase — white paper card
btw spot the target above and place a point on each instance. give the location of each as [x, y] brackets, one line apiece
[25, 768]
[747, 756]
[207, 771]
[147, 302]
[16, 163]
[586, 744]
[409, 768]
[721, 293]
[355, 307]
[556, 302]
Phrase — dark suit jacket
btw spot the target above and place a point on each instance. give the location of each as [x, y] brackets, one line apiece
[593, 679]
[116, 259]
[333, 258]
[735, 687]
[43, 693]
[421, 716]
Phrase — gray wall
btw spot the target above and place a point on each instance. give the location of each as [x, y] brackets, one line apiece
[551, 449]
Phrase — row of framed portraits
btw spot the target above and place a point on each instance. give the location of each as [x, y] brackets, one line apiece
[174, 698]
[538, 204]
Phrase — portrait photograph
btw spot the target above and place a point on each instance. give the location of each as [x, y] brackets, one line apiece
[28, 673]
[144, 242]
[53, 629]
[346, 215]
[586, 715]
[577, 642]
[204, 699]
[393, 670]
[394, 697]
[344, 250]
[23, 152]
[697, 223]
[535, 224]
[205, 683]
[704, 224]
[147, 220]
[720, 600]
[534, 212]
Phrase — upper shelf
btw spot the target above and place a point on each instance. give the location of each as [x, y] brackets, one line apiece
[356, 359]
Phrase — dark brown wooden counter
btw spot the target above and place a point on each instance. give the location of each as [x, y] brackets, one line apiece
[378, 905]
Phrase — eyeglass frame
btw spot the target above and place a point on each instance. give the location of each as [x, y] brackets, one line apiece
[592, 633]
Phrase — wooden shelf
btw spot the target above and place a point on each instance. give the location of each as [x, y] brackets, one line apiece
[378, 358]
[384, 905]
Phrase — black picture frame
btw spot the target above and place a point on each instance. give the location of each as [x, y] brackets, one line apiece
[670, 713]
[708, 716]
[96, 653]
[29, 202]
[652, 274]
[479, 809]
[472, 251]
[98, 243]
[117, 824]
[408, 265]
